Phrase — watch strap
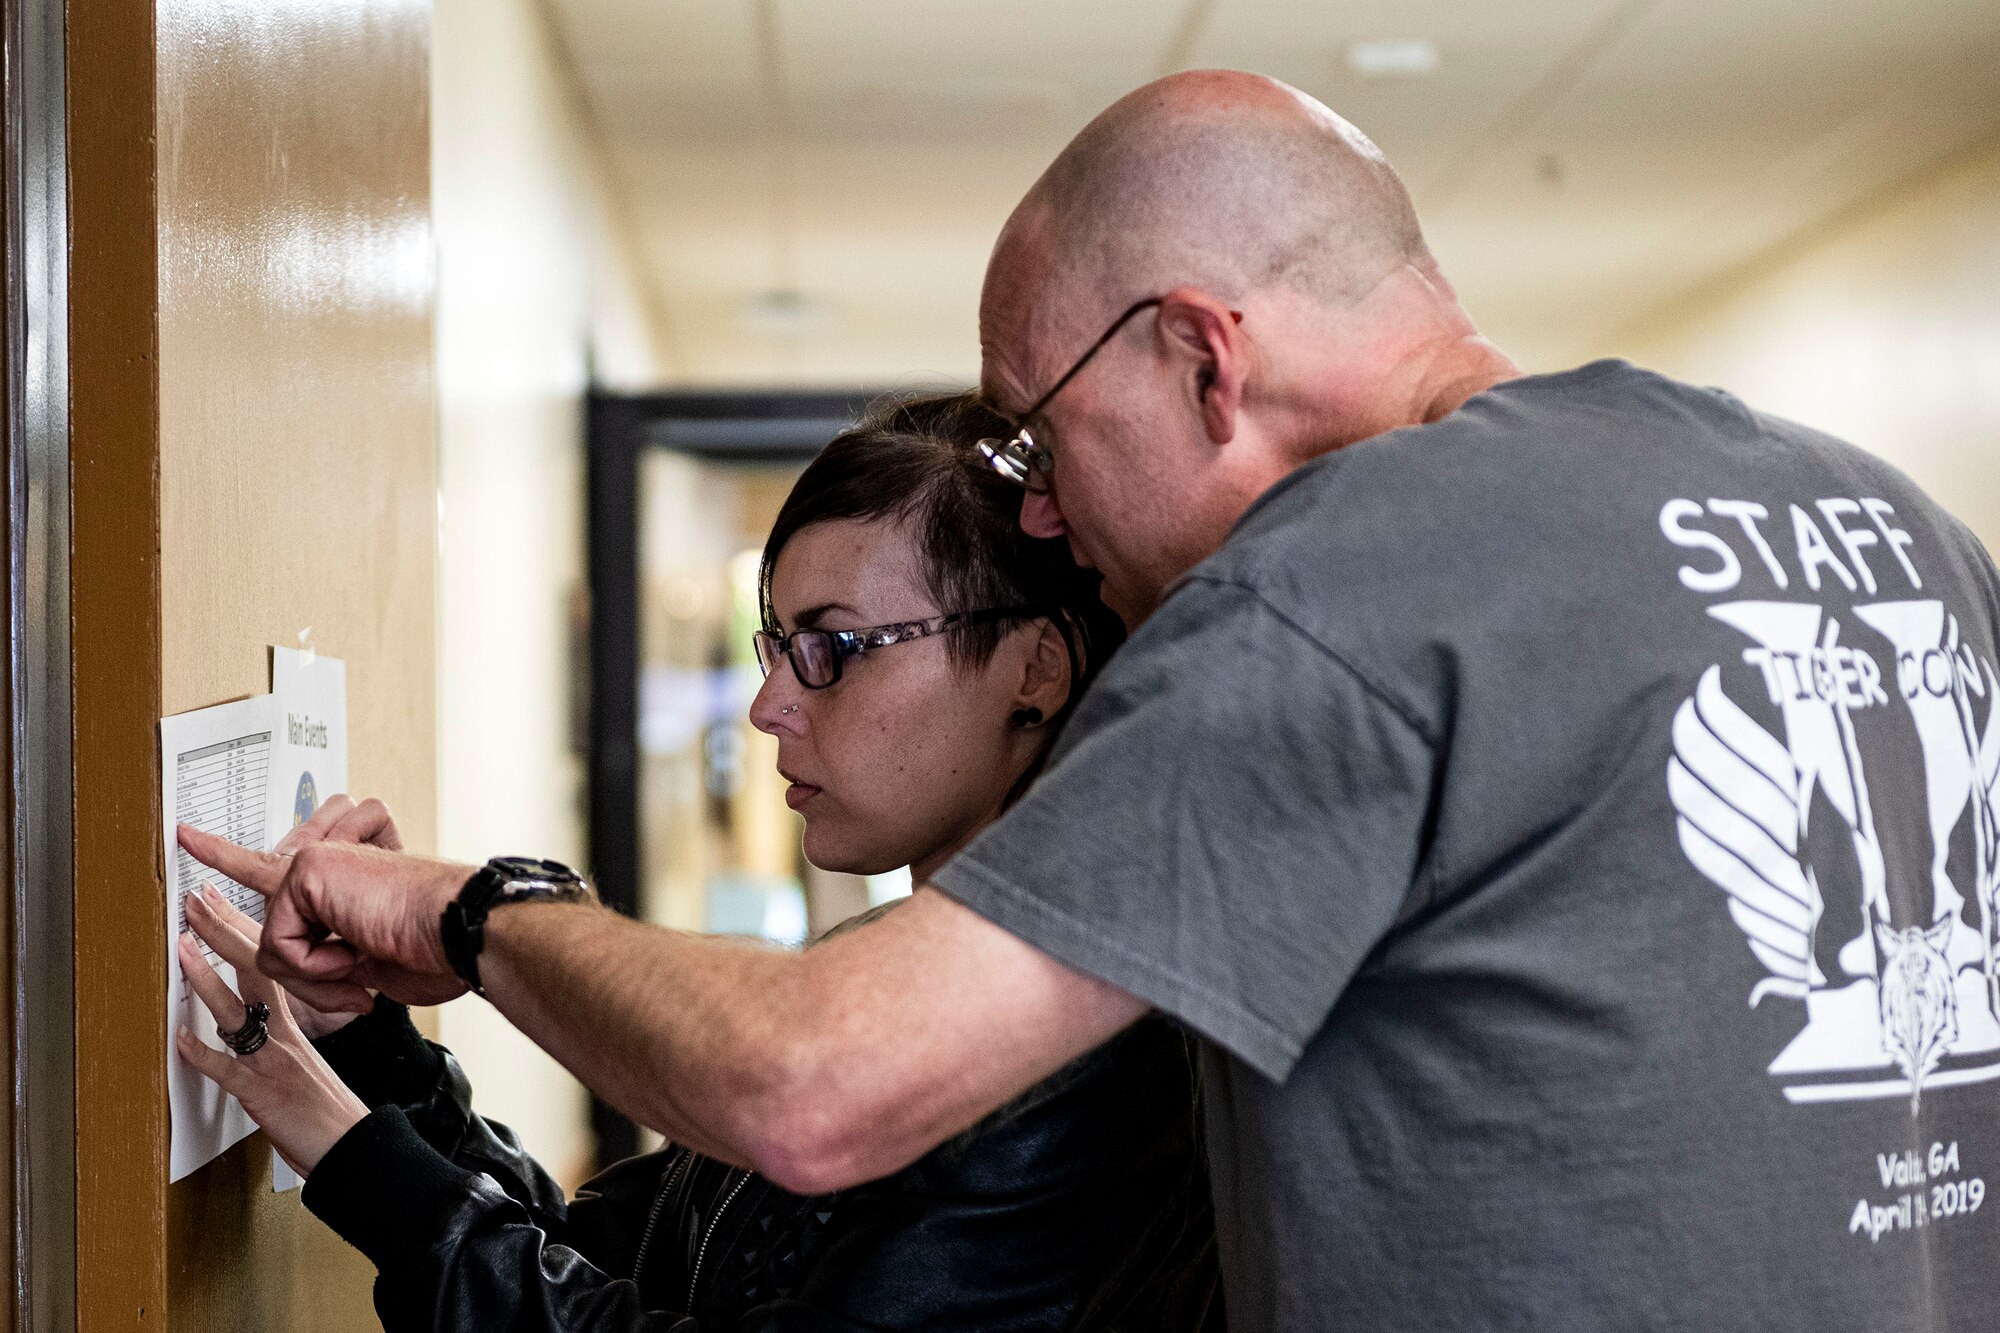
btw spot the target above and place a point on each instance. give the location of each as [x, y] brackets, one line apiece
[463, 934]
[462, 929]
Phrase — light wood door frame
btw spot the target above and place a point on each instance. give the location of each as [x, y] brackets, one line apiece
[84, 892]
[86, 1202]
[118, 895]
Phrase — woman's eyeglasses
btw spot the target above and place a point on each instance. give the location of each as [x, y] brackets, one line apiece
[816, 654]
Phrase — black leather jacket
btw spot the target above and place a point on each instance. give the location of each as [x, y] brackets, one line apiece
[1082, 1205]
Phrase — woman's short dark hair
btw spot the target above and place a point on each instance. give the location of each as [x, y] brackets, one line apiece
[916, 460]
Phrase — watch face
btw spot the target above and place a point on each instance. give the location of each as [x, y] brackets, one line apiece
[528, 869]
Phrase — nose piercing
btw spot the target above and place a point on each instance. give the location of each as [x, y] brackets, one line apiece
[793, 709]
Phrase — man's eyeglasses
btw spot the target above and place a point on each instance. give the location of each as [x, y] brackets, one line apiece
[816, 654]
[1021, 459]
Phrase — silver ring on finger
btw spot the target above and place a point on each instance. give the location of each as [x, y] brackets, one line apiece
[256, 1030]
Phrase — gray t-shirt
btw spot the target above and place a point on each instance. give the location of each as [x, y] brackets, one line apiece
[1572, 825]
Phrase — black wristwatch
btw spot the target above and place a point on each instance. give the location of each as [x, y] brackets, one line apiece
[504, 879]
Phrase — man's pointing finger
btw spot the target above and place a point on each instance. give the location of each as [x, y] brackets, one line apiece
[262, 871]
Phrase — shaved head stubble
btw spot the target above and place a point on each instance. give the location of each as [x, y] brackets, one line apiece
[1229, 194]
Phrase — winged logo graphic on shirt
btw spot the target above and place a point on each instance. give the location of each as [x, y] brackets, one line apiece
[1882, 996]
[1735, 790]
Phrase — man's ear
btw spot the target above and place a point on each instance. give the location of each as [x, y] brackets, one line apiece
[1045, 683]
[1207, 337]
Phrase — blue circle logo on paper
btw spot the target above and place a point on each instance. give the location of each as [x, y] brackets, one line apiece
[306, 801]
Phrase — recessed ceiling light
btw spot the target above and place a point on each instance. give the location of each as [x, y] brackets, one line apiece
[784, 311]
[1395, 57]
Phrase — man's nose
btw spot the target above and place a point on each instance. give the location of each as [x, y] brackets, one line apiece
[1040, 515]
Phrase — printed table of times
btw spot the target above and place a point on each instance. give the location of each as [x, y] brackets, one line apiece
[239, 771]
[219, 789]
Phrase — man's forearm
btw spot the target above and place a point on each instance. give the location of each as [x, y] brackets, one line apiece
[686, 1034]
[821, 1069]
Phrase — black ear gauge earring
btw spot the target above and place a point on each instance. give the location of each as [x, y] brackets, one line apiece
[1027, 717]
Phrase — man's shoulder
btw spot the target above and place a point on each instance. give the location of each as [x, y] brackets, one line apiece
[1537, 505]
[1525, 424]
[1513, 462]
[1540, 459]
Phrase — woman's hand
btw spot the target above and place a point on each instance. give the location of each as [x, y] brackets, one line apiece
[215, 918]
[284, 1085]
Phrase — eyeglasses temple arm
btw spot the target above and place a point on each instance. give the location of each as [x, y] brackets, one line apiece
[1084, 360]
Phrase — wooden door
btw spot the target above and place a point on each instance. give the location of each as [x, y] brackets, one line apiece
[252, 457]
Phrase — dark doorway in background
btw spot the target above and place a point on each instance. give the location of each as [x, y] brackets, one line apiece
[681, 488]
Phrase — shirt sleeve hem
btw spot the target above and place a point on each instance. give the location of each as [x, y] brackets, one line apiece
[382, 1056]
[1254, 1040]
[384, 1190]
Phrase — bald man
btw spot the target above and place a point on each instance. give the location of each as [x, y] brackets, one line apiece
[1565, 805]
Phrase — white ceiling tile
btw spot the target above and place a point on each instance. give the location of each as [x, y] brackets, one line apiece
[1578, 162]
[1708, 134]
[1064, 45]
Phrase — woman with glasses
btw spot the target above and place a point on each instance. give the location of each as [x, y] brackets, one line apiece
[920, 653]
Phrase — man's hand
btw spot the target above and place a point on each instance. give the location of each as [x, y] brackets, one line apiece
[343, 917]
[341, 819]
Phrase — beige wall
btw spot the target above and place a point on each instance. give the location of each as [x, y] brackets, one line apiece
[535, 280]
[296, 482]
[1883, 328]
